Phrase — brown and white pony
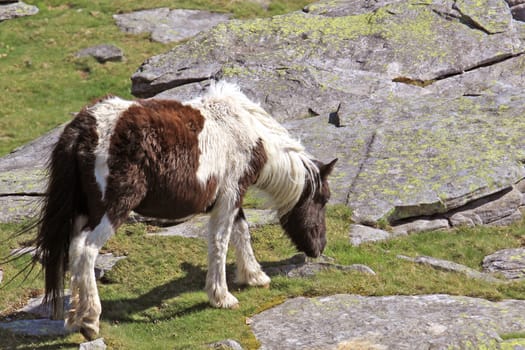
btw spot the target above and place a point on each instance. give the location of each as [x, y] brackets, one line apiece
[166, 159]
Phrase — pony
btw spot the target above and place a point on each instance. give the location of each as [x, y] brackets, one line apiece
[171, 159]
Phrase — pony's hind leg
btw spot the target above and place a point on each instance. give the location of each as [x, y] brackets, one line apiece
[76, 249]
[248, 271]
[85, 308]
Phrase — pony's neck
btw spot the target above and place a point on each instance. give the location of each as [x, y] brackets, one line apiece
[284, 178]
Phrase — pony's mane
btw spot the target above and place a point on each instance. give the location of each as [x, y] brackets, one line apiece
[289, 167]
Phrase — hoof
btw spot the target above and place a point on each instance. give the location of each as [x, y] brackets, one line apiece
[89, 334]
[228, 301]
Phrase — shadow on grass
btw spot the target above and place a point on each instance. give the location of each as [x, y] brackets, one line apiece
[124, 310]
[10, 340]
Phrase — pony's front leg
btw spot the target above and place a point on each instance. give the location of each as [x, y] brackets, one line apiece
[249, 271]
[220, 228]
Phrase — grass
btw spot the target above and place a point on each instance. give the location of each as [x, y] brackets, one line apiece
[154, 299]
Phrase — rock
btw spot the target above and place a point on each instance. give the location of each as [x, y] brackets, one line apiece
[420, 225]
[451, 266]
[391, 322]
[362, 234]
[300, 266]
[429, 121]
[490, 210]
[37, 308]
[40, 327]
[228, 344]
[1, 275]
[104, 263]
[102, 53]
[167, 25]
[516, 216]
[520, 186]
[489, 16]
[517, 8]
[509, 262]
[14, 9]
[22, 178]
[97, 344]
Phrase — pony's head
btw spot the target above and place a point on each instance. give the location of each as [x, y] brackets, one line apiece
[305, 223]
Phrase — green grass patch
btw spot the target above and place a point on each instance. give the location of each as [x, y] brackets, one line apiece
[154, 299]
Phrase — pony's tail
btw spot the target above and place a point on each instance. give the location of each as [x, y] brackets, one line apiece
[61, 205]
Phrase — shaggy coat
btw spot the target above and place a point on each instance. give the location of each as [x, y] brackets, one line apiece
[167, 159]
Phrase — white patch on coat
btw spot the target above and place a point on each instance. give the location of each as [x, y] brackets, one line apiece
[106, 113]
[233, 125]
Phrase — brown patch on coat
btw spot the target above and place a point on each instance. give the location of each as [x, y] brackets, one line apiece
[257, 161]
[154, 157]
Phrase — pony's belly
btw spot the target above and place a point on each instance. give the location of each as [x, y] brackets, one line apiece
[168, 205]
[166, 209]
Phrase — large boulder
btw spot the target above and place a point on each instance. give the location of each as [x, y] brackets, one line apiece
[430, 95]
[392, 322]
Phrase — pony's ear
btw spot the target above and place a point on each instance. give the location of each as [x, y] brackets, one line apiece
[326, 169]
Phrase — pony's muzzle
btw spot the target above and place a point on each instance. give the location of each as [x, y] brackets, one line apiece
[316, 248]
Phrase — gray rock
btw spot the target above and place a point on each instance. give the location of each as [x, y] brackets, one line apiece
[31, 155]
[300, 266]
[420, 225]
[228, 344]
[501, 208]
[22, 178]
[392, 322]
[429, 121]
[167, 25]
[102, 53]
[509, 262]
[10, 10]
[1, 275]
[520, 186]
[97, 344]
[104, 263]
[451, 266]
[362, 234]
[40, 327]
[517, 8]
[37, 308]
[516, 216]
